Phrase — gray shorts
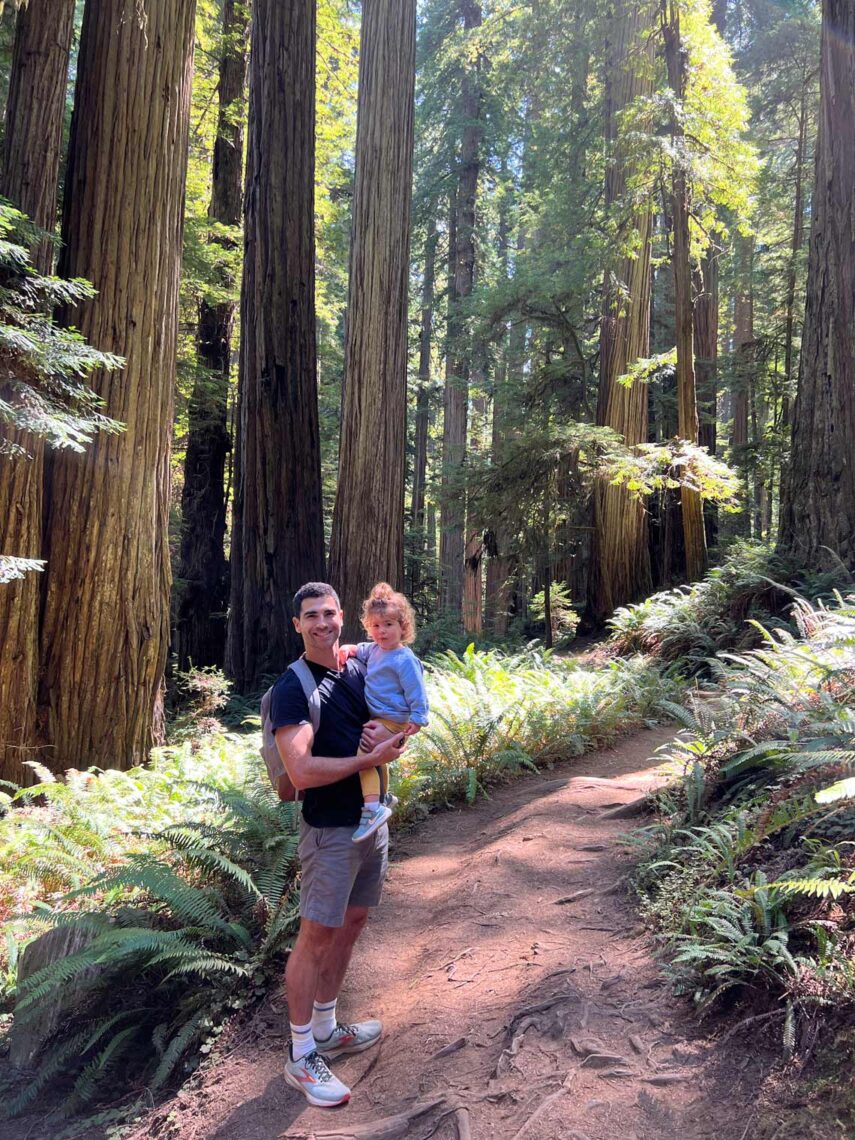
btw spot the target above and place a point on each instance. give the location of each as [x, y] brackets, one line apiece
[338, 873]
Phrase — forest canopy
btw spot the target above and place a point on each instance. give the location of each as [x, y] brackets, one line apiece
[499, 302]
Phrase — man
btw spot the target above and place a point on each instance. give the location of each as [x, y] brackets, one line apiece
[341, 880]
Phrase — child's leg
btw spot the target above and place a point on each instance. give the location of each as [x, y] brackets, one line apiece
[371, 783]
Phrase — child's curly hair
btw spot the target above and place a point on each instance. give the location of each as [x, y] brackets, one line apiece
[384, 600]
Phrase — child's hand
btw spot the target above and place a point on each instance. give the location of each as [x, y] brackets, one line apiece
[345, 651]
[412, 729]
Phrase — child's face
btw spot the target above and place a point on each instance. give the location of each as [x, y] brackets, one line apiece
[385, 631]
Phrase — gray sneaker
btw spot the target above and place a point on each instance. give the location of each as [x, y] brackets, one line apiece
[390, 800]
[370, 821]
[350, 1038]
[313, 1077]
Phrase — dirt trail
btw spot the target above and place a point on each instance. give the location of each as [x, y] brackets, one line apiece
[519, 996]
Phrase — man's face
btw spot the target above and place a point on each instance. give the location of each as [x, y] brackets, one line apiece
[319, 623]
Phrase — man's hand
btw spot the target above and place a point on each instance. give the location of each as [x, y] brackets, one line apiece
[374, 733]
[386, 751]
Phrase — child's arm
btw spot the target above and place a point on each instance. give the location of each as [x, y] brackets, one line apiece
[413, 686]
[360, 651]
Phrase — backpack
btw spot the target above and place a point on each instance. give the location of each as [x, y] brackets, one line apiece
[276, 770]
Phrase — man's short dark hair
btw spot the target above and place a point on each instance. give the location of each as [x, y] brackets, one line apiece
[314, 590]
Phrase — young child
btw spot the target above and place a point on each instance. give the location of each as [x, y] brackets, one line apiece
[394, 688]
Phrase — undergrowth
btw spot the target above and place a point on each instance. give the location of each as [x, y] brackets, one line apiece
[748, 875]
[178, 879]
[691, 624]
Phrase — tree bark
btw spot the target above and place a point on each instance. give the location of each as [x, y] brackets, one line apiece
[691, 506]
[32, 145]
[368, 524]
[200, 630]
[818, 504]
[743, 370]
[620, 559]
[473, 590]
[795, 250]
[458, 361]
[277, 531]
[105, 626]
[417, 511]
[706, 367]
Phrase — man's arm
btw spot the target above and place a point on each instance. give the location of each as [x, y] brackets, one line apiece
[294, 742]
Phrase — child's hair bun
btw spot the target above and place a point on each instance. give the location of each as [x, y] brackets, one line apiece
[383, 599]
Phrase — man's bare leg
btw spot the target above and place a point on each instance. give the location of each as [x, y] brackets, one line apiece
[334, 966]
[319, 961]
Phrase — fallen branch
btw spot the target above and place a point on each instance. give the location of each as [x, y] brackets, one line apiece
[583, 894]
[447, 1050]
[740, 1025]
[461, 1119]
[390, 1128]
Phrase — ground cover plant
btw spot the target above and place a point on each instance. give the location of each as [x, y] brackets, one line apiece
[690, 624]
[179, 878]
[748, 874]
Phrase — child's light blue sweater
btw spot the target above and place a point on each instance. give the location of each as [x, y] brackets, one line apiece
[394, 683]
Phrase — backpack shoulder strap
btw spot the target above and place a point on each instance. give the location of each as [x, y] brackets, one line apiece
[310, 688]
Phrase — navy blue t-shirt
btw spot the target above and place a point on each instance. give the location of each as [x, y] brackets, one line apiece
[343, 713]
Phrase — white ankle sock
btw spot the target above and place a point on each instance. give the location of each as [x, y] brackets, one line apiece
[323, 1019]
[302, 1041]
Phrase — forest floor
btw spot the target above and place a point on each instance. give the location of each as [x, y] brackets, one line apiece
[520, 995]
[521, 999]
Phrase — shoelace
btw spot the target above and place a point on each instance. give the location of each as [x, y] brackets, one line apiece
[342, 1028]
[318, 1066]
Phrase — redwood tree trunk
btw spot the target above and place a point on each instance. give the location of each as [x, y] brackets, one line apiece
[200, 631]
[456, 397]
[706, 366]
[743, 373]
[694, 537]
[796, 247]
[417, 513]
[818, 503]
[277, 533]
[368, 524]
[105, 630]
[32, 144]
[620, 562]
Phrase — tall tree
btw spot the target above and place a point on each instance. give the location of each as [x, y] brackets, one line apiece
[367, 537]
[105, 626]
[818, 503]
[694, 536]
[422, 423]
[200, 634]
[620, 564]
[31, 154]
[277, 536]
[458, 359]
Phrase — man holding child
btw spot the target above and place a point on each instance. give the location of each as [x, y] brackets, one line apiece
[341, 880]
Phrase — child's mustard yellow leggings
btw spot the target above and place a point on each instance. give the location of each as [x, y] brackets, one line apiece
[374, 780]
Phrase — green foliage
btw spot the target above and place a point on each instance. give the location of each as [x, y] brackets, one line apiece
[691, 624]
[495, 713]
[749, 872]
[565, 620]
[44, 393]
[183, 934]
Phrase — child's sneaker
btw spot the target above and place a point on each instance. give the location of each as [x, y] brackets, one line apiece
[373, 817]
[391, 801]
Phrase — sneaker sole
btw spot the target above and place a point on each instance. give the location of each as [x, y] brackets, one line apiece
[373, 831]
[295, 1083]
[347, 1051]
